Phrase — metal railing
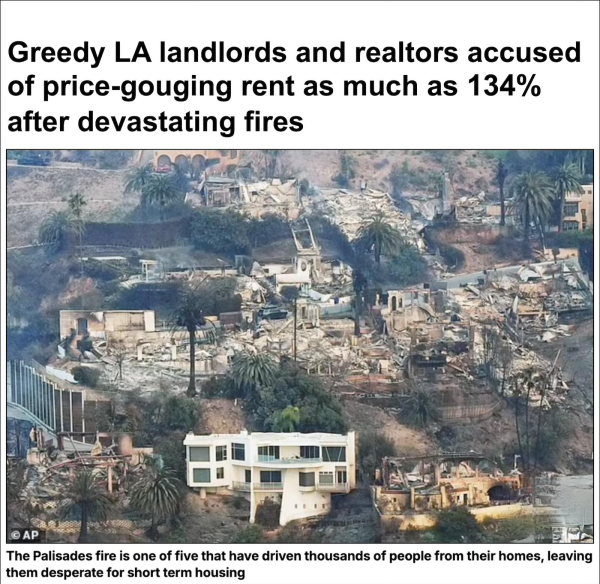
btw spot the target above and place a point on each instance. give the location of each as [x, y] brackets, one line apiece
[284, 461]
[239, 486]
[333, 486]
[268, 486]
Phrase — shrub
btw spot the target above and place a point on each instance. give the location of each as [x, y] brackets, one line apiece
[86, 375]
[219, 387]
[458, 525]
[251, 534]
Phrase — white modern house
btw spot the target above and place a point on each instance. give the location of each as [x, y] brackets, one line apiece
[299, 471]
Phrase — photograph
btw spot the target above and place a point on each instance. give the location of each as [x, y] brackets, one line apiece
[300, 346]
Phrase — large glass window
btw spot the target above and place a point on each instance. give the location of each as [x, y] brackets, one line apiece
[202, 475]
[268, 453]
[270, 476]
[199, 454]
[334, 453]
[221, 452]
[238, 451]
[310, 452]
[307, 479]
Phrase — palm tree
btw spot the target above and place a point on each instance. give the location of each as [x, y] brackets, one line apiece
[419, 408]
[138, 178]
[501, 174]
[253, 370]
[286, 420]
[76, 204]
[87, 499]
[566, 181]
[189, 315]
[180, 178]
[158, 494]
[532, 200]
[379, 235]
[161, 190]
[58, 227]
[359, 284]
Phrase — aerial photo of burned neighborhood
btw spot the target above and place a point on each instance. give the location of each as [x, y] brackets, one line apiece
[309, 346]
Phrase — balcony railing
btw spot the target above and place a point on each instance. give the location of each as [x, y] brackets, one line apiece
[284, 461]
[343, 487]
[268, 486]
[239, 486]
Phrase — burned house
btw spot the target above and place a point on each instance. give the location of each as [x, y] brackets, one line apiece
[441, 481]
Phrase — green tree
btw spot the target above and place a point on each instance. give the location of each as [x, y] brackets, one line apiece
[373, 446]
[458, 525]
[86, 499]
[379, 235]
[532, 201]
[189, 314]
[58, 228]
[566, 180]
[320, 411]
[158, 494]
[419, 408]
[252, 370]
[76, 204]
[286, 420]
[161, 190]
[137, 178]
[501, 174]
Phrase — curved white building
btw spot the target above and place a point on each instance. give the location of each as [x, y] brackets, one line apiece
[299, 471]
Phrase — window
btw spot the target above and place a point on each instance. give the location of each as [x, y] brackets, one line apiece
[268, 453]
[221, 453]
[334, 453]
[571, 209]
[326, 478]
[221, 473]
[570, 226]
[234, 154]
[310, 452]
[247, 476]
[270, 476]
[199, 454]
[202, 475]
[307, 479]
[238, 451]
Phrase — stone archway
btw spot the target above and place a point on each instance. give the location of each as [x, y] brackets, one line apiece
[163, 160]
[182, 162]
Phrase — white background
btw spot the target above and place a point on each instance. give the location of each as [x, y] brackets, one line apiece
[564, 116]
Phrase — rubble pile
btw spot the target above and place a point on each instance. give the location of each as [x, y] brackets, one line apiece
[349, 210]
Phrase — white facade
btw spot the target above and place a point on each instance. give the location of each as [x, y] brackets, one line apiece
[299, 471]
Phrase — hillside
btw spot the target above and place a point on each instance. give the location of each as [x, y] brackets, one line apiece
[32, 192]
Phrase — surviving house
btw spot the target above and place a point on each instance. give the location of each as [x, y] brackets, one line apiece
[216, 160]
[579, 210]
[300, 472]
